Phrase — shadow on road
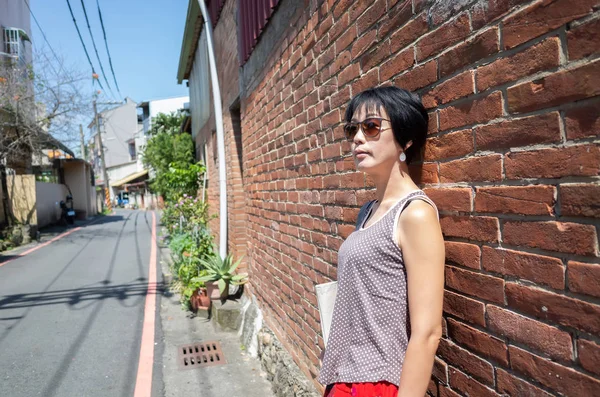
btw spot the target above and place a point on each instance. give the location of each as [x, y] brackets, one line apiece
[72, 297]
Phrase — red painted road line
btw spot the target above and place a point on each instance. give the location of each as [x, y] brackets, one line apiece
[37, 247]
[143, 383]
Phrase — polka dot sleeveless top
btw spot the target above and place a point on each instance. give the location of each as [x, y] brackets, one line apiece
[370, 326]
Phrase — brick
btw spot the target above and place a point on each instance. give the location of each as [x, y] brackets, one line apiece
[552, 375]
[468, 386]
[532, 130]
[513, 386]
[555, 89]
[409, 33]
[542, 56]
[479, 342]
[474, 169]
[346, 39]
[581, 160]
[580, 200]
[445, 391]
[484, 12]
[478, 228]
[540, 337]
[443, 37]
[455, 144]
[463, 254]
[424, 173]
[348, 74]
[584, 40]
[565, 237]
[451, 199]
[419, 77]
[395, 18]
[583, 122]
[440, 370]
[366, 81]
[432, 388]
[457, 87]
[464, 308]
[340, 62]
[475, 111]
[555, 308]
[397, 64]
[589, 355]
[466, 361]
[523, 200]
[363, 43]
[543, 270]
[371, 16]
[475, 284]
[543, 16]
[584, 278]
[479, 47]
[374, 57]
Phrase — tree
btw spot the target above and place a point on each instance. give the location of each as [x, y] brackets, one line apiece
[40, 106]
[39, 109]
[170, 153]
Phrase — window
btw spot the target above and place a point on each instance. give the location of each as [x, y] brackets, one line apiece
[200, 86]
[132, 152]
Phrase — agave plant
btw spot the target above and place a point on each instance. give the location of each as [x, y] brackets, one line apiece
[221, 271]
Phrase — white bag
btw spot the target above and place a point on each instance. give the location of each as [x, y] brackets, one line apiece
[326, 294]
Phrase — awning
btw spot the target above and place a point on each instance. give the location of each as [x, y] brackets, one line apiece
[129, 178]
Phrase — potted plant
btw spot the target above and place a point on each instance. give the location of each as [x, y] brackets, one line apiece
[219, 274]
[200, 299]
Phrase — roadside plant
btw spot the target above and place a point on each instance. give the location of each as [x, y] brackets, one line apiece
[221, 271]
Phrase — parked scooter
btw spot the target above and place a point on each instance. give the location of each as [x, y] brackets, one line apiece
[67, 211]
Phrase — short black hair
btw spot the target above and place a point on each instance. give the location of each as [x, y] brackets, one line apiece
[408, 116]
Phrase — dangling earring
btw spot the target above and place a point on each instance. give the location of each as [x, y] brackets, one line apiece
[403, 157]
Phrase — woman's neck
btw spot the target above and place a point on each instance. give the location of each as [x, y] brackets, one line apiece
[393, 185]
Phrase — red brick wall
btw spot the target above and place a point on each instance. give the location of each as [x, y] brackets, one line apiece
[227, 69]
[511, 160]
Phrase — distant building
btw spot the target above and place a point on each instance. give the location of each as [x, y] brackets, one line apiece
[125, 130]
[15, 24]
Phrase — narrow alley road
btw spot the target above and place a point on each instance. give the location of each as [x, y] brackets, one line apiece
[72, 312]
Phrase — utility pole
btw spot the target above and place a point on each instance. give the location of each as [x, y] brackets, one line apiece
[107, 199]
[82, 142]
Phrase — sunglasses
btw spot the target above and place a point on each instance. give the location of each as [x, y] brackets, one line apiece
[371, 127]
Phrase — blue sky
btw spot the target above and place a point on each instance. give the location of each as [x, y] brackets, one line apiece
[144, 38]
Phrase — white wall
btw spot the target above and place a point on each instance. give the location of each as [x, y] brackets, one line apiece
[120, 172]
[15, 14]
[167, 105]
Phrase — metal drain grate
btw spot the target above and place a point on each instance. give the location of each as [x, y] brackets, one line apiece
[202, 354]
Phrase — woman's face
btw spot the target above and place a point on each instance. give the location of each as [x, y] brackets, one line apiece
[378, 154]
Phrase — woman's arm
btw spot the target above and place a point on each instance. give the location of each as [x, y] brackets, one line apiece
[422, 246]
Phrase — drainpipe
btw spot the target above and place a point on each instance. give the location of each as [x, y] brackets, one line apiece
[216, 90]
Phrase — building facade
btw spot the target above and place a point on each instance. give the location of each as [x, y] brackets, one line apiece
[15, 23]
[512, 160]
[125, 131]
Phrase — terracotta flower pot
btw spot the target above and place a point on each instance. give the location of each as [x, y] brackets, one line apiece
[204, 299]
[212, 289]
[199, 299]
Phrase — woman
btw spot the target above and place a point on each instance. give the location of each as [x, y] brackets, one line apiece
[388, 310]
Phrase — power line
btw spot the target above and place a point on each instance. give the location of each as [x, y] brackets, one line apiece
[45, 39]
[108, 52]
[82, 43]
[95, 48]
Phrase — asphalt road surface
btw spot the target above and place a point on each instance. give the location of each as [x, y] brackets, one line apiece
[72, 312]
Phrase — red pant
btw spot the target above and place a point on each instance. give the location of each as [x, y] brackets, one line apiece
[379, 389]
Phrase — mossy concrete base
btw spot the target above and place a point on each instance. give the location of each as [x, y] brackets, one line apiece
[226, 315]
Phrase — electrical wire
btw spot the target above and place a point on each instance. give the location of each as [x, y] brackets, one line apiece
[96, 48]
[45, 38]
[83, 43]
[107, 51]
